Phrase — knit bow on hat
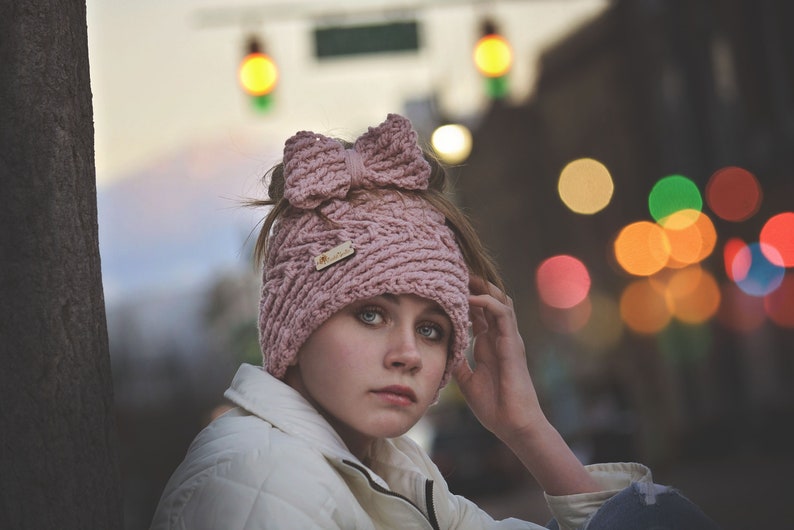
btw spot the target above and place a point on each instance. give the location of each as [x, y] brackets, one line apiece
[400, 242]
[318, 168]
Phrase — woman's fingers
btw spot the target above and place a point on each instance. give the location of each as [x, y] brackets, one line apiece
[480, 286]
[479, 323]
[494, 312]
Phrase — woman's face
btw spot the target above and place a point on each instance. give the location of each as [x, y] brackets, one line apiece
[375, 366]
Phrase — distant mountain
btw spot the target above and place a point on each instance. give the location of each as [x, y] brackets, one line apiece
[176, 223]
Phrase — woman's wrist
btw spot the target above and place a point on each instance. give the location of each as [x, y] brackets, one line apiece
[533, 438]
[532, 432]
[546, 455]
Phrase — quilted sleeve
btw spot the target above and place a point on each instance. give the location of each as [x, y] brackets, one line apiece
[251, 492]
[273, 485]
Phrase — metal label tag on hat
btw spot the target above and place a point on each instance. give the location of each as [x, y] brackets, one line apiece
[334, 255]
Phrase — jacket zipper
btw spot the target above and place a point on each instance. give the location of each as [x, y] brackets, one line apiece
[431, 510]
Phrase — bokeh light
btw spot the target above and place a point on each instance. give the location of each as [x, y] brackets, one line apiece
[642, 248]
[691, 235]
[643, 308]
[671, 194]
[452, 143]
[585, 186]
[563, 281]
[676, 295]
[777, 239]
[762, 276]
[733, 194]
[692, 295]
[779, 304]
[736, 260]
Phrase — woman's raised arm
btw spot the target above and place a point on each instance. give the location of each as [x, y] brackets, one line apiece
[500, 393]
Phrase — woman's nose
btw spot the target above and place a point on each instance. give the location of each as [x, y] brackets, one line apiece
[403, 351]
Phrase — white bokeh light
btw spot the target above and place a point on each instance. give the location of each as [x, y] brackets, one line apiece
[452, 143]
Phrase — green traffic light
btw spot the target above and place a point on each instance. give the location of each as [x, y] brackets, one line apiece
[262, 103]
[497, 87]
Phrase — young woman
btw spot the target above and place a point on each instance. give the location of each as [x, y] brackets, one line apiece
[373, 284]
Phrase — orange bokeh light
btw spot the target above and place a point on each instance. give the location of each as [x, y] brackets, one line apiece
[643, 308]
[642, 248]
[692, 295]
[691, 235]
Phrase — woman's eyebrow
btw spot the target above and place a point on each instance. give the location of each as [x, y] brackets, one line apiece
[391, 298]
[433, 307]
[437, 310]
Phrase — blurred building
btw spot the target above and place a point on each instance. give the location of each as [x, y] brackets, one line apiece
[649, 88]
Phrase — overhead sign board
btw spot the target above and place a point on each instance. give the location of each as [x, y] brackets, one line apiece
[391, 37]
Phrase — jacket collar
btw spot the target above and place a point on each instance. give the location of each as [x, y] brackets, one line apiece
[261, 394]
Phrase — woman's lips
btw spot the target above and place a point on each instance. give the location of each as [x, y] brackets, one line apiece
[396, 394]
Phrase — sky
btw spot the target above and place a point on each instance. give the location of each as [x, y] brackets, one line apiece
[178, 145]
[164, 74]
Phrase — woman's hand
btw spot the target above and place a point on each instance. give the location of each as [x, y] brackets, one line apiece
[500, 392]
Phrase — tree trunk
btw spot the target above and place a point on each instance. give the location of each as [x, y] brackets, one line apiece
[58, 461]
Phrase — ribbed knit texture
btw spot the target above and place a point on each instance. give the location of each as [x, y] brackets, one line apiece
[402, 245]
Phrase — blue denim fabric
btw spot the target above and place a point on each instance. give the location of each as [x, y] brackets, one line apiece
[647, 507]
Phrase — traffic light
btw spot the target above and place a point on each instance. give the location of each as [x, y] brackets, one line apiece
[493, 58]
[258, 75]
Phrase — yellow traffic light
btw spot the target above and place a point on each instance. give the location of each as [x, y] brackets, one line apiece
[258, 74]
[493, 55]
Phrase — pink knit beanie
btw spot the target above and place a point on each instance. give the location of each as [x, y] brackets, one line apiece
[329, 249]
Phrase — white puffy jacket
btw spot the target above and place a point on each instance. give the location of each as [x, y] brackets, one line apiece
[274, 462]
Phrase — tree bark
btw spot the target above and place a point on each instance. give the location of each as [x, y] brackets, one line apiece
[58, 461]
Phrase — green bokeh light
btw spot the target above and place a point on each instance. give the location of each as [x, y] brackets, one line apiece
[671, 194]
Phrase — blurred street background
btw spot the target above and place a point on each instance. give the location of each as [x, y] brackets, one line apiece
[629, 163]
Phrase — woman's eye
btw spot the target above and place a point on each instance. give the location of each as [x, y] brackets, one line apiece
[430, 331]
[370, 316]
